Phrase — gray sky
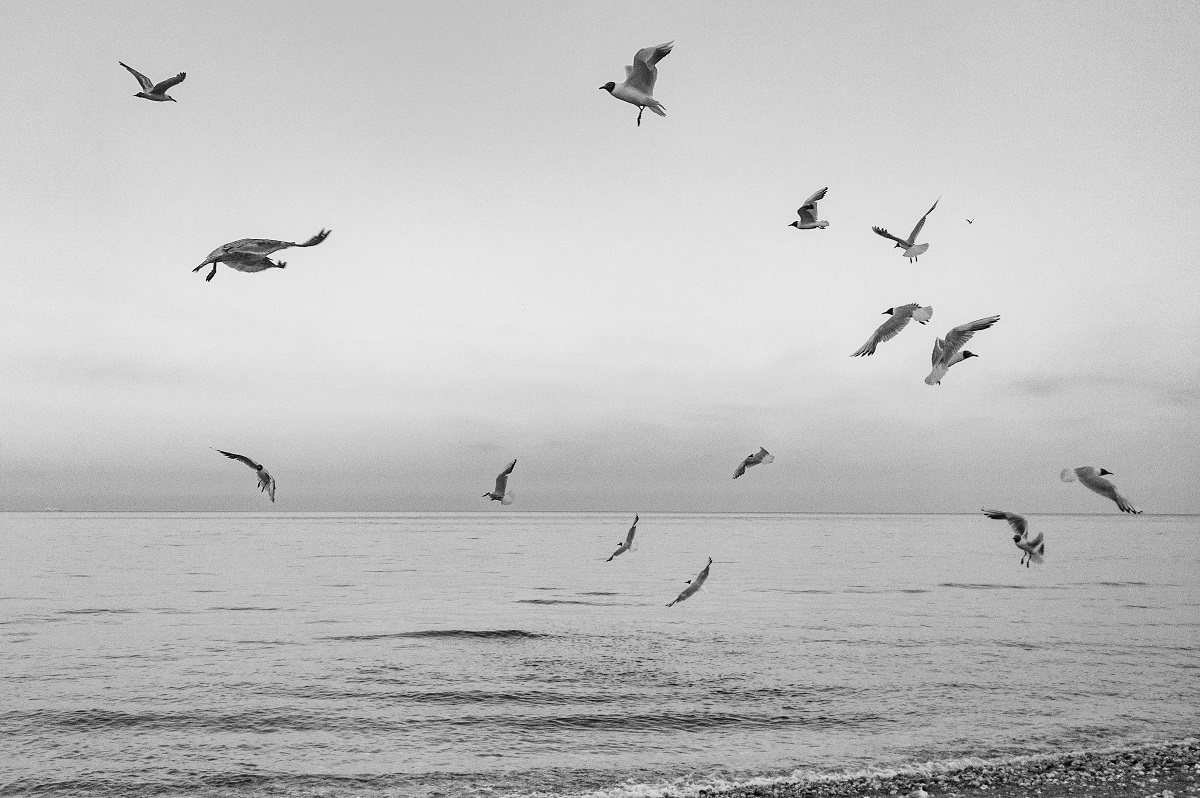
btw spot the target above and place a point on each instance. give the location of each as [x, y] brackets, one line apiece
[517, 270]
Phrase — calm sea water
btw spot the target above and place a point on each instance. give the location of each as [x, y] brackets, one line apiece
[498, 653]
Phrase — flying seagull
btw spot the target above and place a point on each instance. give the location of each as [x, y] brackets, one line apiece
[1094, 480]
[946, 351]
[692, 585]
[639, 80]
[900, 317]
[499, 494]
[266, 482]
[628, 544]
[250, 254]
[1033, 549]
[910, 246]
[152, 91]
[808, 213]
[970, 221]
[761, 456]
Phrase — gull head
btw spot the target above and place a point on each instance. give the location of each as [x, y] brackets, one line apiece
[609, 86]
[793, 224]
[1104, 471]
[967, 354]
[1016, 538]
[889, 312]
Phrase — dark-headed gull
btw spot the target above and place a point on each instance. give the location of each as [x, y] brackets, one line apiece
[1033, 549]
[808, 213]
[900, 317]
[250, 254]
[693, 585]
[639, 80]
[1094, 480]
[628, 544]
[501, 493]
[946, 351]
[266, 482]
[910, 246]
[152, 91]
[761, 456]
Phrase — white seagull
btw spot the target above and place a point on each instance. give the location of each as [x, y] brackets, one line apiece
[639, 80]
[1094, 480]
[152, 91]
[946, 351]
[808, 213]
[266, 482]
[912, 250]
[761, 456]
[628, 543]
[692, 585]
[500, 494]
[1034, 549]
[250, 254]
[900, 317]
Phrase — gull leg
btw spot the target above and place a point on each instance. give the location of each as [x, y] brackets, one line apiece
[211, 274]
[640, 109]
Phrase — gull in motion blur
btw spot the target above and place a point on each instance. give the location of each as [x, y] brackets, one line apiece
[946, 351]
[808, 213]
[761, 456]
[153, 91]
[266, 482]
[693, 585]
[250, 254]
[900, 316]
[639, 80]
[912, 250]
[1094, 480]
[501, 494]
[628, 543]
[1033, 549]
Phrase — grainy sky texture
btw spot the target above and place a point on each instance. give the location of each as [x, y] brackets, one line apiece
[517, 270]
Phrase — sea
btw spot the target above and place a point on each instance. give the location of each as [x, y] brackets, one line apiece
[499, 653]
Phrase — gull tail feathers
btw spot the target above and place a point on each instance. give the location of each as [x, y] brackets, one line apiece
[509, 497]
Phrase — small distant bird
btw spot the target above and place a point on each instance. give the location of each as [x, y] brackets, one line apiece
[945, 351]
[1094, 480]
[970, 221]
[628, 543]
[266, 482]
[693, 585]
[1034, 549]
[910, 246]
[761, 456]
[152, 91]
[250, 254]
[639, 80]
[808, 213]
[500, 494]
[900, 317]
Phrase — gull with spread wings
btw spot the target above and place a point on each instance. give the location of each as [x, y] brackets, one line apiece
[153, 91]
[266, 482]
[501, 493]
[761, 456]
[912, 250]
[1094, 481]
[639, 80]
[946, 351]
[1033, 549]
[627, 545]
[693, 585]
[808, 213]
[250, 254]
[900, 316]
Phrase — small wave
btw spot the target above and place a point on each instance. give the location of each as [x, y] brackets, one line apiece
[562, 601]
[96, 611]
[245, 609]
[488, 634]
[990, 586]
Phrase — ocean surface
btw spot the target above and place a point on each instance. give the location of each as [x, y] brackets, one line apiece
[497, 653]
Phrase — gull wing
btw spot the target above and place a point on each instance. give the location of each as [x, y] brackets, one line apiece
[241, 458]
[808, 211]
[888, 330]
[269, 487]
[169, 82]
[265, 246]
[502, 478]
[956, 338]
[632, 530]
[741, 469]
[938, 349]
[1017, 522]
[643, 73]
[1098, 484]
[147, 84]
[920, 224]
[879, 231]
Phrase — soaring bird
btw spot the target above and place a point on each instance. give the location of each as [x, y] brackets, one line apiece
[628, 543]
[900, 317]
[1094, 480]
[808, 213]
[250, 254]
[910, 246]
[692, 585]
[499, 494]
[1033, 549]
[152, 91]
[761, 456]
[946, 351]
[639, 80]
[266, 482]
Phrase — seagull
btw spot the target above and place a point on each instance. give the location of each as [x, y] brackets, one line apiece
[151, 91]
[628, 544]
[890, 328]
[693, 585]
[499, 494]
[808, 213]
[266, 482]
[639, 80]
[1034, 549]
[762, 456]
[1094, 480]
[911, 248]
[970, 221]
[250, 254]
[945, 351]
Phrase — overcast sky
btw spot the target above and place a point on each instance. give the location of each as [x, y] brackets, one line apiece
[517, 270]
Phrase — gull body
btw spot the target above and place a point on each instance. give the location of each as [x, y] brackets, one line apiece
[638, 88]
[912, 250]
[761, 456]
[1033, 549]
[808, 213]
[266, 483]
[627, 544]
[900, 316]
[155, 91]
[1093, 479]
[501, 493]
[250, 254]
[948, 351]
[693, 585]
